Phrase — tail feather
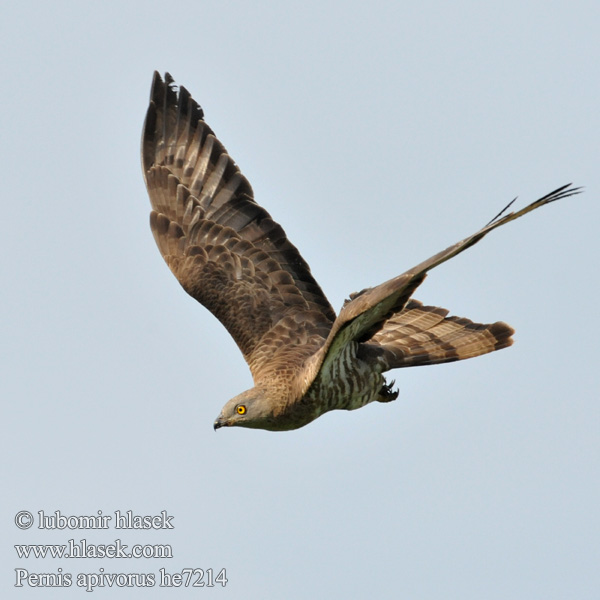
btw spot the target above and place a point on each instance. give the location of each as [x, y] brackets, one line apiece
[424, 335]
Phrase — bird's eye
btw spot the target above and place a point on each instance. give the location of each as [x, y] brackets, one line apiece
[241, 409]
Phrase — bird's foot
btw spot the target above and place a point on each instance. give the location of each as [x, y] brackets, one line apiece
[387, 394]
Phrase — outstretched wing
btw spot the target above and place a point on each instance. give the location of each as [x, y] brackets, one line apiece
[366, 313]
[225, 250]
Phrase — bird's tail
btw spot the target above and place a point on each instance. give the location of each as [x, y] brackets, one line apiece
[425, 335]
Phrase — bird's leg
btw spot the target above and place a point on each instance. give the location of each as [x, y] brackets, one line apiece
[387, 394]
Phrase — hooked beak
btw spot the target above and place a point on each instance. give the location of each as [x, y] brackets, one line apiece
[218, 423]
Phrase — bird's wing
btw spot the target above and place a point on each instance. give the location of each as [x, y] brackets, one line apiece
[225, 249]
[366, 312]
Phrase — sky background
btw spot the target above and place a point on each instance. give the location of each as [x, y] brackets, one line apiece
[377, 133]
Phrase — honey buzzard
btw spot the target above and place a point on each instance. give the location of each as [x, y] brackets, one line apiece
[229, 254]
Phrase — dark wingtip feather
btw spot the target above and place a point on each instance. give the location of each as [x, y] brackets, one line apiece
[169, 79]
[150, 122]
[156, 91]
[564, 191]
[503, 211]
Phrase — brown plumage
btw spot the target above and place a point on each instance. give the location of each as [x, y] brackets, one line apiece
[229, 254]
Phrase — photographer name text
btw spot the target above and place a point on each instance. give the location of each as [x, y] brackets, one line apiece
[119, 520]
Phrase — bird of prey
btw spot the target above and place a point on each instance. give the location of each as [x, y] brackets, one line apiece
[229, 254]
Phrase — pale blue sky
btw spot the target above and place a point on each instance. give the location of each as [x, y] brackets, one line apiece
[377, 134]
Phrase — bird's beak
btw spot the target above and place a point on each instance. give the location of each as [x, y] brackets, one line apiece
[218, 423]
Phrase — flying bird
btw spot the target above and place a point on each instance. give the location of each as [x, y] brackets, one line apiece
[230, 255]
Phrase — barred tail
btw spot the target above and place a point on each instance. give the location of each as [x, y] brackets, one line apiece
[424, 335]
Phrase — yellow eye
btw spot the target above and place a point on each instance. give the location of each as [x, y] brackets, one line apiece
[241, 409]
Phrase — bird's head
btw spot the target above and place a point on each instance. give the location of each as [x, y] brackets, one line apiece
[252, 408]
